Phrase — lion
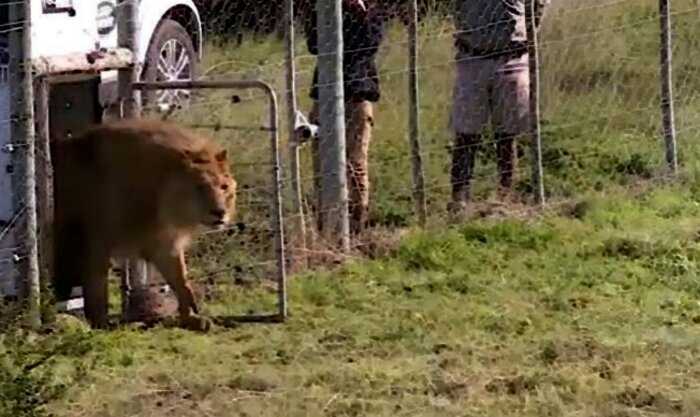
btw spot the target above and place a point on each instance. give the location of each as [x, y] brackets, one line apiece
[136, 189]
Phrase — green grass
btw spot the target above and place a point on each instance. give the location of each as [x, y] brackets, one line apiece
[590, 308]
[600, 104]
[586, 312]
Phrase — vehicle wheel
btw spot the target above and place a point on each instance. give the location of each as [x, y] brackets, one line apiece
[170, 57]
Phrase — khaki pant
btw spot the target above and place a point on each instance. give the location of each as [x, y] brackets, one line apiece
[359, 120]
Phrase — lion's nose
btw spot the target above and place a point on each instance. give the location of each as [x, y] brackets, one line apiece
[218, 213]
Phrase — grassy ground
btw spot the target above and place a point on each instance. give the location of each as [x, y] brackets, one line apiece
[587, 309]
[591, 311]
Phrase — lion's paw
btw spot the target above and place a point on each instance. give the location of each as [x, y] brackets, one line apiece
[196, 323]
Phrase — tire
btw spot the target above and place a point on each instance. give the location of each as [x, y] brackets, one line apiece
[172, 47]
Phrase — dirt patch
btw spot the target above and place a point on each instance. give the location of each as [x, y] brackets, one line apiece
[251, 383]
[516, 385]
[640, 397]
[604, 370]
[579, 350]
[579, 303]
[333, 341]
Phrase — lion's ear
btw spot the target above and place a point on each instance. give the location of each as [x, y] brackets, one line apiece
[221, 156]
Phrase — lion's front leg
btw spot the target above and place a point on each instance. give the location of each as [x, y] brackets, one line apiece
[171, 265]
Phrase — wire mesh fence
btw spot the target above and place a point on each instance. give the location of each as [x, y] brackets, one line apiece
[19, 258]
[602, 124]
[600, 96]
[251, 252]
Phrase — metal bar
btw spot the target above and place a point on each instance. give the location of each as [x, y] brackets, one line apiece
[216, 127]
[134, 277]
[334, 190]
[535, 134]
[667, 112]
[414, 116]
[276, 207]
[128, 11]
[82, 63]
[294, 161]
[205, 85]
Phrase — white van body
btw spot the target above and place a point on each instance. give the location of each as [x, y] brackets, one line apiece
[169, 47]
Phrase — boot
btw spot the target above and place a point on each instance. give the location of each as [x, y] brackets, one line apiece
[463, 160]
[507, 163]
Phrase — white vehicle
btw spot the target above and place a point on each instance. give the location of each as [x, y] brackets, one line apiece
[169, 48]
[169, 44]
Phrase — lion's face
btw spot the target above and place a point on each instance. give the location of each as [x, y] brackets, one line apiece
[213, 189]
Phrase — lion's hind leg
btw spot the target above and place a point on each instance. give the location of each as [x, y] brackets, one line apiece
[94, 274]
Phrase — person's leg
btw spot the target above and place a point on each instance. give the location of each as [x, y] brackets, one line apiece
[511, 116]
[360, 120]
[507, 160]
[463, 160]
[470, 113]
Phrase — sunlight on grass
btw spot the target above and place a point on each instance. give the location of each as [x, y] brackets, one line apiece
[589, 308]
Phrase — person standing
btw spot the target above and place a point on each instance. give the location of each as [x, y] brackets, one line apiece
[363, 31]
[492, 86]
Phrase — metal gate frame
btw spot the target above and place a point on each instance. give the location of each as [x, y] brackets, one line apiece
[276, 206]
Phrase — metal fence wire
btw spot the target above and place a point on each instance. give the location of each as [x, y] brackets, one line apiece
[610, 99]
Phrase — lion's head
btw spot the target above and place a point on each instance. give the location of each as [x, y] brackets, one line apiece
[208, 197]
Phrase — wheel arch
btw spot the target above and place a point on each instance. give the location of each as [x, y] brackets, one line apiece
[182, 12]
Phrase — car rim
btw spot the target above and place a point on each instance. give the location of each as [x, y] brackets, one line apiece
[174, 64]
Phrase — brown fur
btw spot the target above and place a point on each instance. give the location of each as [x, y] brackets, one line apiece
[135, 189]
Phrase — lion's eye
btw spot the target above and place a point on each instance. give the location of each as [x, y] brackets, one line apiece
[224, 187]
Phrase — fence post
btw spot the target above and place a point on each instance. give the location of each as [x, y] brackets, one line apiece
[535, 134]
[334, 191]
[127, 35]
[24, 163]
[299, 254]
[134, 271]
[667, 86]
[414, 115]
[44, 186]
